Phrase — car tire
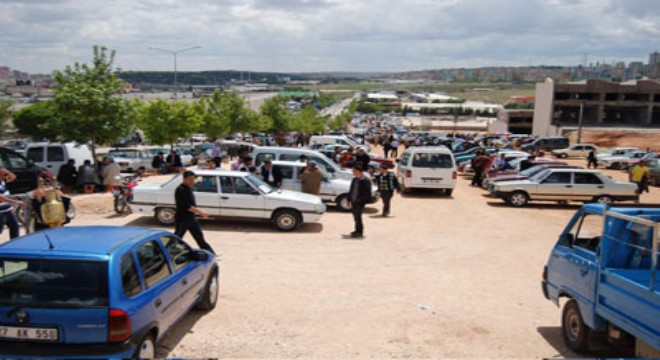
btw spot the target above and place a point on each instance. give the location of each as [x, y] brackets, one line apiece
[604, 199]
[563, 156]
[211, 291]
[286, 220]
[518, 198]
[448, 192]
[146, 349]
[575, 332]
[343, 203]
[165, 215]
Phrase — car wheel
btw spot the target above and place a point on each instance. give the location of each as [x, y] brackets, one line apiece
[518, 198]
[563, 156]
[286, 220]
[604, 199]
[343, 203]
[576, 333]
[165, 215]
[448, 192]
[210, 296]
[146, 348]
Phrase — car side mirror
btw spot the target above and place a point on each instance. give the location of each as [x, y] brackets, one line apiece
[199, 255]
[567, 239]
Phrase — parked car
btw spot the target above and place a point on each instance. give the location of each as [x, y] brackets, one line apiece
[427, 167]
[27, 173]
[617, 161]
[577, 150]
[263, 153]
[546, 144]
[654, 172]
[628, 164]
[565, 185]
[616, 151]
[525, 174]
[231, 194]
[17, 145]
[603, 265]
[186, 159]
[52, 156]
[129, 160]
[322, 140]
[333, 190]
[98, 291]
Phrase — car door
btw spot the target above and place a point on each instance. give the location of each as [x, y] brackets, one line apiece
[556, 186]
[161, 287]
[239, 198]
[575, 151]
[206, 194]
[188, 273]
[574, 258]
[290, 180]
[586, 186]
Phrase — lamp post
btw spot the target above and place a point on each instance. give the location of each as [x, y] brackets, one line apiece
[175, 53]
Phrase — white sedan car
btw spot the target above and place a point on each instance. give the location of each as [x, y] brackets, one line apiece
[231, 194]
[130, 160]
[576, 150]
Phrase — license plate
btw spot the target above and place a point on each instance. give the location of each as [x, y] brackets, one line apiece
[115, 192]
[431, 181]
[40, 334]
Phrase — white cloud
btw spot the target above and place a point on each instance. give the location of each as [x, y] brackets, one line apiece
[320, 35]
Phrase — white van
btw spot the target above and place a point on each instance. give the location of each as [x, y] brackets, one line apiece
[53, 155]
[276, 153]
[322, 140]
[427, 167]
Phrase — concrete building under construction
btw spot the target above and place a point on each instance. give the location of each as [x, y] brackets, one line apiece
[596, 104]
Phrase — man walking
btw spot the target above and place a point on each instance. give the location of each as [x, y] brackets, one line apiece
[592, 160]
[639, 175]
[186, 209]
[359, 195]
[387, 184]
[7, 216]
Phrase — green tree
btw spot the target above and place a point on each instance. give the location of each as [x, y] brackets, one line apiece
[163, 121]
[39, 121]
[308, 121]
[5, 104]
[226, 113]
[87, 101]
[275, 110]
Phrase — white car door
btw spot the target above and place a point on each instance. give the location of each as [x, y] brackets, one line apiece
[586, 186]
[207, 195]
[238, 198]
[556, 186]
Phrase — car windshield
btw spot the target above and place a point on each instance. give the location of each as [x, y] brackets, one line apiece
[129, 154]
[431, 160]
[531, 171]
[259, 184]
[53, 283]
[540, 175]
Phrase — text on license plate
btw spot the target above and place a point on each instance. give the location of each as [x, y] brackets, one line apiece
[42, 334]
[431, 180]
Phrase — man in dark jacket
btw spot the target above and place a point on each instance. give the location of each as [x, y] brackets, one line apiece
[271, 174]
[359, 195]
[68, 176]
[362, 159]
[174, 162]
[186, 209]
[387, 184]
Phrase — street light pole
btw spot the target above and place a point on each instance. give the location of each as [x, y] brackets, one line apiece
[175, 53]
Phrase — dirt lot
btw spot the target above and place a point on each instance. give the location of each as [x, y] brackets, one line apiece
[443, 277]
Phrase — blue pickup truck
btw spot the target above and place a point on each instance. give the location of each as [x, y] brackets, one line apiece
[606, 264]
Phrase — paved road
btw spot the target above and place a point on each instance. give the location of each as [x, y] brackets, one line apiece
[337, 108]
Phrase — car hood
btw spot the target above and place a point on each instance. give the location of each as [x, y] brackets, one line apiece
[505, 178]
[288, 195]
[516, 183]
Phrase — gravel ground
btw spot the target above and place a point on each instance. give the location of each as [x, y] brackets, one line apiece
[441, 278]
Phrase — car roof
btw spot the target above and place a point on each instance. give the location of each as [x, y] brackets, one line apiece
[78, 240]
[220, 172]
[436, 149]
[288, 163]
[573, 169]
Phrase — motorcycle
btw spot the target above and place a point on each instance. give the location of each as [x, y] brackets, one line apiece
[123, 194]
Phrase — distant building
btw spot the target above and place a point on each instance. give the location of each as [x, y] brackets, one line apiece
[654, 65]
[515, 121]
[382, 96]
[634, 104]
[4, 72]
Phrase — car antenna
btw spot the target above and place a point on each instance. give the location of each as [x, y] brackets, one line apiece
[50, 243]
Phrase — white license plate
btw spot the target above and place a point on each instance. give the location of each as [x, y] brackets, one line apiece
[431, 181]
[41, 334]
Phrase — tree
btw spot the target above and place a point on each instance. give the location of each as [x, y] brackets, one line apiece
[308, 121]
[164, 122]
[88, 105]
[5, 104]
[39, 121]
[226, 113]
[274, 109]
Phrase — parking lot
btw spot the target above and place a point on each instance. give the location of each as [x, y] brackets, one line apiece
[441, 277]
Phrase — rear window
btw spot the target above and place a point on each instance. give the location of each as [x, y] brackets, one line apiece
[53, 283]
[432, 160]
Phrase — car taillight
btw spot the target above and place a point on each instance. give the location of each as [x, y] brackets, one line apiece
[408, 174]
[454, 175]
[119, 326]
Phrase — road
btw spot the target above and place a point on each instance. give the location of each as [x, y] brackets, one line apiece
[442, 277]
[337, 108]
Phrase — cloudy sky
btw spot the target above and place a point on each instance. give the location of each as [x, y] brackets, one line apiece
[327, 35]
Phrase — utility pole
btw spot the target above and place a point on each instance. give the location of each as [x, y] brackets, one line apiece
[580, 119]
[175, 53]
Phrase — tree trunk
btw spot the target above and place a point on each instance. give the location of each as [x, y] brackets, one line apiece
[94, 153]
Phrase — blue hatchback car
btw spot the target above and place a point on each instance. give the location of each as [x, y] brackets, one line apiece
[98, 291]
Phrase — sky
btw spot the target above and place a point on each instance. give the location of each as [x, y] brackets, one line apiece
[39, 36]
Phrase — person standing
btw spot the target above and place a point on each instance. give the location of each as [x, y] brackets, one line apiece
[7, 216]
[311, 179]
[639, 175]
[186, 209]
[271, 174]
[359, 195]
[362, 159]
[158, 163]
[387, 146]
[247, 163]
[173, 161]
[387, 183]
[111, 174]
[395, 148]
[591, 160]
[87, 177]
[68, 176]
